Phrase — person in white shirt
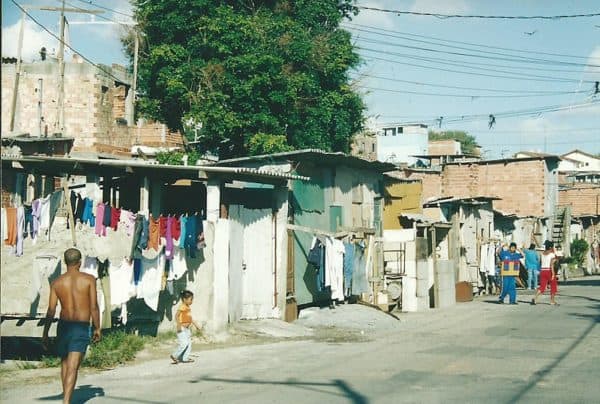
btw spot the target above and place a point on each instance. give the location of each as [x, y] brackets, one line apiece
[547, 274]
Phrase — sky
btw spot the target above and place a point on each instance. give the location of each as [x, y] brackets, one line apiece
[416, 69]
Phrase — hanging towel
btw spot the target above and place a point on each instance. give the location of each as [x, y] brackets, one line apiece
[20, 228]
[154, 233]
[150, 285]
[11, 226]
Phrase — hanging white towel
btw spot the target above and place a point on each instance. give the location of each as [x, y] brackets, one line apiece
[150, 284]
[121, 282]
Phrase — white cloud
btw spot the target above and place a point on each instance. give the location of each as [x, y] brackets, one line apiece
[441, 7]
[34, 38]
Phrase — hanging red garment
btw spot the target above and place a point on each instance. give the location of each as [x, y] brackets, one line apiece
[115, 215]
[176, 228]
[163, 226]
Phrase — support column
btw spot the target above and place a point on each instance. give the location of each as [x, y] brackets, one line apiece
[145, 195]
[156, 197]
[213, 199]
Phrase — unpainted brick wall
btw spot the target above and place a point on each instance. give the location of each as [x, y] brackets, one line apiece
[584, 199]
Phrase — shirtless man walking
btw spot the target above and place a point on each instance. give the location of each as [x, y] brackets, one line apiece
[76, 293]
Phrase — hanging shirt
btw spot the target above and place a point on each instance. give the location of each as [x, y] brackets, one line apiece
[175, 228]
[20, 230]
[90, 266]
[191, 236]
[55, 199]
[121, 282]
[150, 284]
[491, 260]
[127, 222]
[154, 233]
[316, 257]
[334, 267]
[178, 264]
[107, 215]
[115, 215]
[348, 265]
[35, 213]
[43, 267]
[163, 223]
[182, 225]
[169, 239]
[45, 213]
[80, 208]
[87, 216]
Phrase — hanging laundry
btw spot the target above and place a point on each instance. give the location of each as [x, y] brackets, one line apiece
[54, 203]
[178, 264]
[360, 283]
[127, 222]
[334, 267]
[106, 320]
[100, 227]
[45, 213]
[154, 233]
[137, 271]
[89, 265]
[73, 199]
[191, 236]
[348, 267]
[143, 244]
[107, 215]
[137, 233]
[80, 208]
[35, 213]
[28, 229]
[150, 284]
[11, 224]
[169, 239]
[316, 257]
[20, 228]
[88, 217]
[201, 243]
[4, 225]
[183, 226]
[163, 223]
[44, 266]
[175, 228]
[115, 215]
[121, 282]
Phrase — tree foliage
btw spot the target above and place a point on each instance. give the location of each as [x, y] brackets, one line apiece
[468, 143]
[579, 248]
[249, 67]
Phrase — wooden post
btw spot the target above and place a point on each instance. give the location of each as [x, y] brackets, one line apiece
[17, 75]
[69, 210]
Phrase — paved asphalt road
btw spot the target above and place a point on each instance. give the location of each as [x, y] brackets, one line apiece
[477, 352]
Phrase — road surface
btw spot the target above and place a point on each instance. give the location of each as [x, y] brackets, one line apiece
[474, 352]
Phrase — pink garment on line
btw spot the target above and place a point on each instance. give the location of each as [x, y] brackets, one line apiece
[100, 228]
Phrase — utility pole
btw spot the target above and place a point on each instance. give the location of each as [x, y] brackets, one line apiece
[61, 72]
[17, 74]
[135, 68]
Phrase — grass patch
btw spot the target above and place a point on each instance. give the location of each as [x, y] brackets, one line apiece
[27, 365]
[114, 349]
[50, 362]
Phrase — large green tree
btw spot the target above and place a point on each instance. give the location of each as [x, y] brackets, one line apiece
[257, 74]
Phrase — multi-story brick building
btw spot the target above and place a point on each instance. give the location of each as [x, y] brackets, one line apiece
[98, 106]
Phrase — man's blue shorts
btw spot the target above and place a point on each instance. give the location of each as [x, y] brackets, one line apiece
[72, 336]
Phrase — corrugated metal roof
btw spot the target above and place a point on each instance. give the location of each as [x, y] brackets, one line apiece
[153, 166]
[321, 156]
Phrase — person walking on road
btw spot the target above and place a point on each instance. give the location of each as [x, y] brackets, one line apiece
[532, 263]
[511, 265]
[76, 293]
[547, 273]
[184, 329]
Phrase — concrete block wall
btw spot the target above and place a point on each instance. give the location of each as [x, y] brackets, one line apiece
[521, 184]
[584, 199]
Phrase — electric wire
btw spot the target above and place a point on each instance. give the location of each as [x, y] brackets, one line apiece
[503, 17]
[66, 44]
[528, 51]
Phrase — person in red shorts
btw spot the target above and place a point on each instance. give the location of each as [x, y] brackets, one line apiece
[547, 274]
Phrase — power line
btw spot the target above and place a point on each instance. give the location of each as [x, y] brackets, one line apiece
[515, 75]
[99, 16]
[520, 59]
[472, 96]
[528, 51]
[89, 2]
[503, 17]
[64, 43]
[536, 92]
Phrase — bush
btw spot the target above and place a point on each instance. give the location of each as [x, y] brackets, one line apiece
[579, 248]
[114, 349]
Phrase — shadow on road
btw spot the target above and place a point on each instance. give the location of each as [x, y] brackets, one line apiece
[582, 282]
[539, 375]
[85, 393]
[344, 388]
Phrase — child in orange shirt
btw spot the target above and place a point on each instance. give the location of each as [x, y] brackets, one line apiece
[184, 329]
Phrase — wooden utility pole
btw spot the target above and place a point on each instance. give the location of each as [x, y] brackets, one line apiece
[17, 74]
[135, 69]
[61, 72]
